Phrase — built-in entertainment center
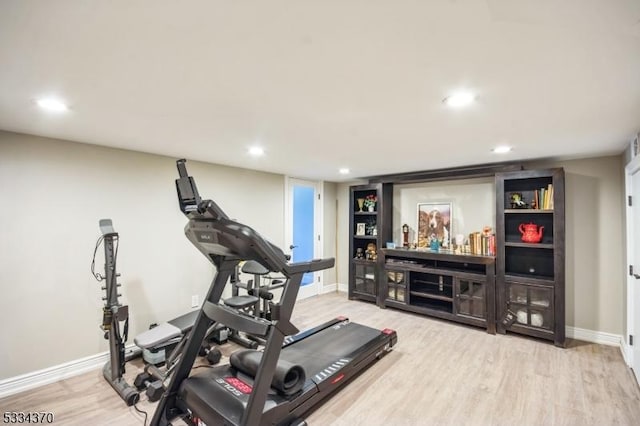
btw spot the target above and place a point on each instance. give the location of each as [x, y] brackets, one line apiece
[482, 246]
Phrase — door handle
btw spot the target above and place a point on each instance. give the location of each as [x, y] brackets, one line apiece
[637, 277]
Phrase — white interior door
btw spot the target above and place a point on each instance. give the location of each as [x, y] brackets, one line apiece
[303, 230]
[633, 252]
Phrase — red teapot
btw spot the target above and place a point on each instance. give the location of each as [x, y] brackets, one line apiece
[530, 232]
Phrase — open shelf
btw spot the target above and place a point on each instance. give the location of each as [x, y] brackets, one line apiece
[530, 245]
[527, 211]
[433, 304]
[431, 296]
[529, 262]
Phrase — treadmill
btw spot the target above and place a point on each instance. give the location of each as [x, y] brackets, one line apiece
[295, 371]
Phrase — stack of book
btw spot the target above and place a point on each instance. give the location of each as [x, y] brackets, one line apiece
[482, 244]
[543, 198]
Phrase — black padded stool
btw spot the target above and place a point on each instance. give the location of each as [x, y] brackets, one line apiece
[246, 303]
[241, 302]
[257, 270]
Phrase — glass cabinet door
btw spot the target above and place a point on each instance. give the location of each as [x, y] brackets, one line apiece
[396, 284]
[470, 298]
[532, 305]
[365, 277]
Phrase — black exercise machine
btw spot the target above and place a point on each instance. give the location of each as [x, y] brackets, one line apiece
[168, 338]
[242, 302]
[113, 314]
[293, 374]
[160, 345]
[250, 302]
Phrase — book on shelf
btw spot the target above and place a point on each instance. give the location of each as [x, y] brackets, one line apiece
[482, 244]
[543, 198]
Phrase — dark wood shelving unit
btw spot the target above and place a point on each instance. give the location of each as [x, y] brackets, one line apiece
[525, 278]
[530, 277]
[363, 273]
[450, 286]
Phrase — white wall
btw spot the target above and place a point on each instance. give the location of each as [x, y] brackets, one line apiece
[595, 297]
[53, 194]
[473, 204]
[594, 197]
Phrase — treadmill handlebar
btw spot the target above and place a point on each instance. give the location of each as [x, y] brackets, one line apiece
[310, 266]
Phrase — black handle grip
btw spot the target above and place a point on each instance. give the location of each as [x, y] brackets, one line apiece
[311, 266]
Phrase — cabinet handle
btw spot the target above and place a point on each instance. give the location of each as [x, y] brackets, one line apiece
[636, 276]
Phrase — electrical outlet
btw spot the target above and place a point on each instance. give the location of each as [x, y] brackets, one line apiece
[195, 301]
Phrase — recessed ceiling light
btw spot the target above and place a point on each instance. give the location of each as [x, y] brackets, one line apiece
[344, 171]
[51, 104]
[459, 99]
[256, 151]
[501, 149]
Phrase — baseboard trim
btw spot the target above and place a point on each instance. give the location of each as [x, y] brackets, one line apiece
[593, 336]
[331, 288]
[53, 374]
[343, 288]
[35, 379]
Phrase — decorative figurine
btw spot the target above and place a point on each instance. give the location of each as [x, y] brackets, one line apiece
[517, 202]
[405, 236]
[371, 251]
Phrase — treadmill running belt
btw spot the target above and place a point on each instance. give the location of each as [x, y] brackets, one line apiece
[321, 349]
[220, 395]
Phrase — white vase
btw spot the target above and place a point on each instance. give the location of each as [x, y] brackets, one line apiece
[371, 208]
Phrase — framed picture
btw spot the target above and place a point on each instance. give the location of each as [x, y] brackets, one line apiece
[434, 222]
[361, 229]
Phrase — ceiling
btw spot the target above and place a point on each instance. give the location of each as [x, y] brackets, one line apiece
[327, 84]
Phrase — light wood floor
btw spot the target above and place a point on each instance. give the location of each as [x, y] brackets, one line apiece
[439, 373]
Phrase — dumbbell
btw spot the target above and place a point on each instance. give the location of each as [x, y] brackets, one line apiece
[154, 387]
[212, 355]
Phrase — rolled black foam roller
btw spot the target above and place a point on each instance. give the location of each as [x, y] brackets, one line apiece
[287, 379]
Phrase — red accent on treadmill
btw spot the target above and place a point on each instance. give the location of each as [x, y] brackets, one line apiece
[341, 318]
[388, 331]
[337, 379]
[239, 384]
